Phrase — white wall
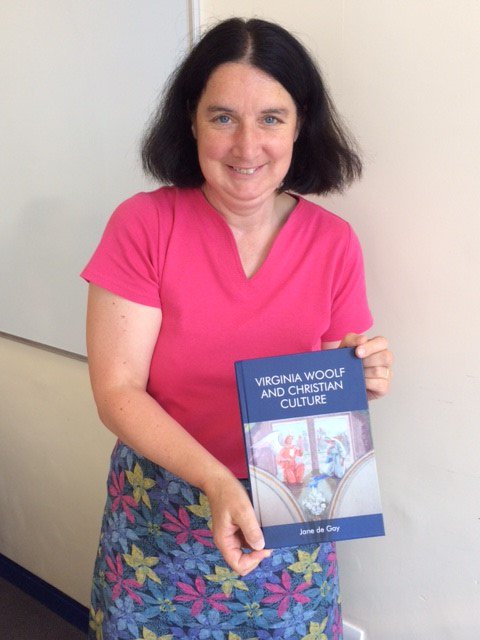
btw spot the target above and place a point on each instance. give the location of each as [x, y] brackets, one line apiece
[79, 80]
[405, 75]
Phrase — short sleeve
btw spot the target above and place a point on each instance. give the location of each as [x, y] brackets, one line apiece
[349, 306]
[126, 261]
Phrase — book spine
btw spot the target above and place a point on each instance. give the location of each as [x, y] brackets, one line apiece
[241, 392]
[247, 439]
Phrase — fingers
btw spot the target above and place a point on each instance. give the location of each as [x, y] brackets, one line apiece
[236, 531]
[376, 349]
[377, 362]
[377, 366]
[373, 351]
[380, 373]
[243, 562]
[252, 533]
[378, 383]
[232, 542]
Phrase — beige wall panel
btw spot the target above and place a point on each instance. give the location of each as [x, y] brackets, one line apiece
[53, 467]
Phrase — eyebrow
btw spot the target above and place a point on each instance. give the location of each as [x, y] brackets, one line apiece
[215, 108]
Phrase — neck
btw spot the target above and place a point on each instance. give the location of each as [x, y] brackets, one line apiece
[250, 216]
[254, 228]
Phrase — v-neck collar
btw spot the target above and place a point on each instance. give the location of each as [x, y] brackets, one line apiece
[277, 245]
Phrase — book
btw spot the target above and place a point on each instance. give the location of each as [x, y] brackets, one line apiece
[309, 447]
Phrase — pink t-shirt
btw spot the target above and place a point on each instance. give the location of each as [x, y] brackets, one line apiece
[171, 249]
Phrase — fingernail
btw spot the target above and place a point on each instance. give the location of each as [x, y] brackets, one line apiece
[258, 545]
[360, 352]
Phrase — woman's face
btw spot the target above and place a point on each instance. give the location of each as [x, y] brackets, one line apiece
[245, 126]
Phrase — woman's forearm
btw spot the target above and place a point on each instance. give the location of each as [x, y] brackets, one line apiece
[142, 424]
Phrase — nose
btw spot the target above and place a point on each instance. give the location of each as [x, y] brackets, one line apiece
[246, 141]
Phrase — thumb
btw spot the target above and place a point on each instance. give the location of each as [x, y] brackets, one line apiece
[252, 533]
[353, 340]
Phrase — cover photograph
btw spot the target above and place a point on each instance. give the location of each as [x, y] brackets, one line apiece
[309, 447]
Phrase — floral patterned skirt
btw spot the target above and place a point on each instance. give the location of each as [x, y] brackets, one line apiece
[159, 576]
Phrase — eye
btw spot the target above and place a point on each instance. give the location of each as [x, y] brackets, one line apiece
[222, 119]
[270, 120]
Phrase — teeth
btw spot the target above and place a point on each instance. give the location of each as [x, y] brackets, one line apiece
[247, 172]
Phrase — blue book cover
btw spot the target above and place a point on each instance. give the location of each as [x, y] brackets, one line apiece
[309, 447]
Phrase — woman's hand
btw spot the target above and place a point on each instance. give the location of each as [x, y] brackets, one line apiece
[377, 362]
[234, 524]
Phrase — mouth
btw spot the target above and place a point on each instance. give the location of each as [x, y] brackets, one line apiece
[246, 171]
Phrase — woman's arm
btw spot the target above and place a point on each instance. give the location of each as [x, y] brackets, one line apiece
[377, 361]
[121, 337]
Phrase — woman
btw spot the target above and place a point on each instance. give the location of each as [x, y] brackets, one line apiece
[224, 265]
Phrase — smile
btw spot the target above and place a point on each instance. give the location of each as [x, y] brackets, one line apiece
[245, 171]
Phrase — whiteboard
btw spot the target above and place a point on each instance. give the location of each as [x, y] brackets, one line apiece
[80, 78]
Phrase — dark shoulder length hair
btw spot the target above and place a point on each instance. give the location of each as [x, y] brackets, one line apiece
[324, 156]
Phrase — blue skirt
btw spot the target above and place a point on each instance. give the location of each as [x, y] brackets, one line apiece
[159, 576]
